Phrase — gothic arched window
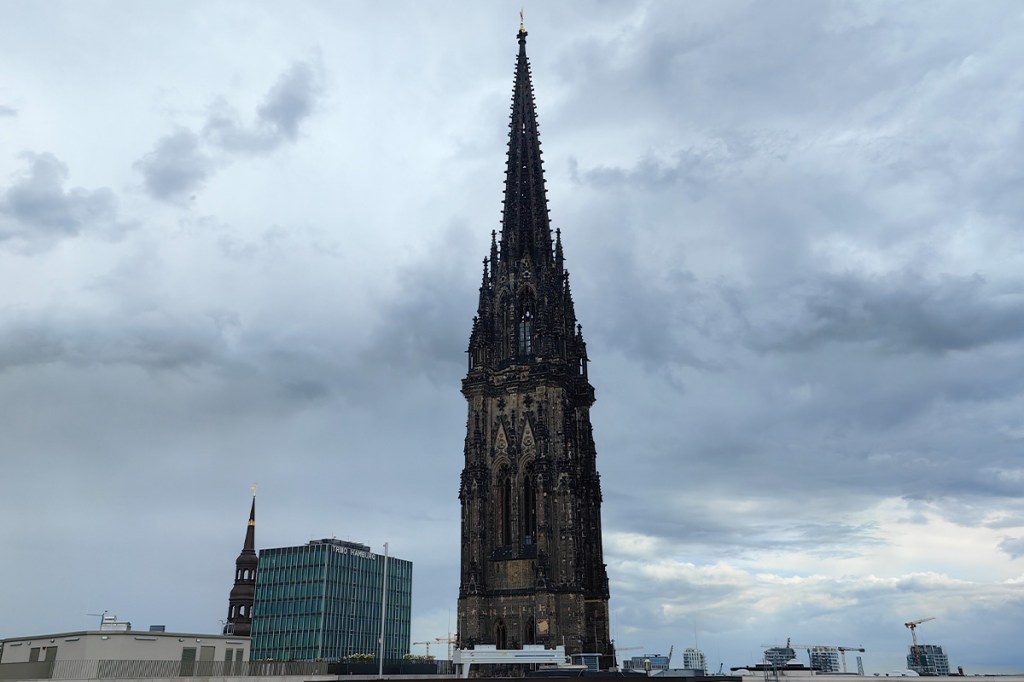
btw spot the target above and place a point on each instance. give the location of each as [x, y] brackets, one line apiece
[526, 333]
[505, 507]
[530, 633]
[500, 635]
[529, 507]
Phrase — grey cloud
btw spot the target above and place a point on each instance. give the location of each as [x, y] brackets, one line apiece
[176, 167]
[766, 525]
[733, 366]
[37, 208]
[1013, 546]
[291, 100]
[288, 103]
[7, 111]
[152, 341]
[182, 161]
[426, 327]
[903, 313]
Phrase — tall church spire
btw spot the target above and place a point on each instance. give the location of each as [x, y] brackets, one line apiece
[525, 225]
[532, 559]
[243, 593]
[525, 314]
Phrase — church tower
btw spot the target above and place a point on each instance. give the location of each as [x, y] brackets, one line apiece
[532, 562]
[243, 594]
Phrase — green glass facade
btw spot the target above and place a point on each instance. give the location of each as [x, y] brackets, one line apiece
[322, 601]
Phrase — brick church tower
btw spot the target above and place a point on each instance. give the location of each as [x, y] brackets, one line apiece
[532, 562]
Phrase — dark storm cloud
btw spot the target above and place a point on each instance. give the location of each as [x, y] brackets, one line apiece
[184, 160]
[899, 313]
[37, 209]
[692, 528]
[425, 327]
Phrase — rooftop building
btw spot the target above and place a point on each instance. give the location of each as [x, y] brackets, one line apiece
[121, 652]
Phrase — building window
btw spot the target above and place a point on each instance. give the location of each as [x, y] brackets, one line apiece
[505, 508]
[526, 333]
[500, 635]
[529, 507]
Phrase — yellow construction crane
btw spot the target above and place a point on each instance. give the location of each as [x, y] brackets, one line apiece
[449, 640]
[427, 644]
[913, 635]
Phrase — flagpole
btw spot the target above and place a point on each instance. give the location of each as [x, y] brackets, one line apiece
[383, 611]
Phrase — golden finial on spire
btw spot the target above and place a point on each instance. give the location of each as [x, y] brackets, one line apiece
[253, 488]
[522, 26]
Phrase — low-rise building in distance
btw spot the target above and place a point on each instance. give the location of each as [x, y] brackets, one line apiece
[121, 652]
[647, 662]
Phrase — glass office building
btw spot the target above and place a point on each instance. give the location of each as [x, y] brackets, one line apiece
[322, 601]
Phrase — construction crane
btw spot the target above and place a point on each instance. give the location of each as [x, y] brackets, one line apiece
[808, 648]
[913, 635]
[427, 644]
[619, 649]
[449, 640]
[844, 649]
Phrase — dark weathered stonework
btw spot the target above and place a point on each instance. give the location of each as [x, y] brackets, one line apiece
[532, 562]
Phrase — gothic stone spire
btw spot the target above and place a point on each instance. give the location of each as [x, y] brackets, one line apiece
[525, 313]
[532, 559]
[526, 231]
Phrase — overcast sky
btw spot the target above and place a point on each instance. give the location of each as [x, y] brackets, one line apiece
[240, 242]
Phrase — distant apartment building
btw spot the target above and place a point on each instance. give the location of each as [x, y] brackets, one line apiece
[929, 660]
[824, 659]
[322, 601]
[779, 656]
[646, 663]
[693, 659]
